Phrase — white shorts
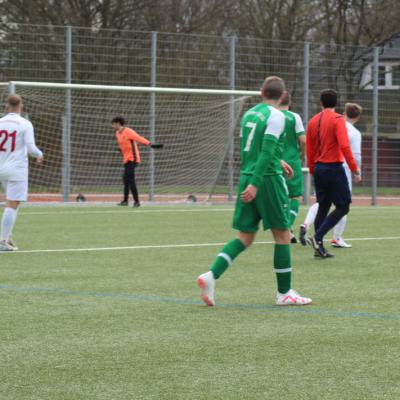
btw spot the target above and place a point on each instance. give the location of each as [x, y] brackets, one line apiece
[16, 190]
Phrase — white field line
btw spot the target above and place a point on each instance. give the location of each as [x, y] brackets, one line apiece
[165, 246]
[121, 211]
[87, 211]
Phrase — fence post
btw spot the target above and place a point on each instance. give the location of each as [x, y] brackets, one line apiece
[152, 116]
[306, 101]
[231, 138]
[66, 120]
[375, 105]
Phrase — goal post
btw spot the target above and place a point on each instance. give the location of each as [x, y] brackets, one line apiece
[198, 127]
[81, 153]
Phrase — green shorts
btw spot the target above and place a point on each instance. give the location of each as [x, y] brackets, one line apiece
[271, 205]
[296, 184]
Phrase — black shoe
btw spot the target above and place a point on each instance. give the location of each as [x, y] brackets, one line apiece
[293, 239]
[327, 255]
[122, 203]
[137, 204]
[319, 248]
[303, 235]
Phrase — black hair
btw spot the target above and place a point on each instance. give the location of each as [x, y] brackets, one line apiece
[119, 120]
[328, 98]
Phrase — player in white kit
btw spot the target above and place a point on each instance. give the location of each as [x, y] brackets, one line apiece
[352, 113]
[17, 141]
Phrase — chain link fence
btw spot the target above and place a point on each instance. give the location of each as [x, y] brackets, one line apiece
[367, 75]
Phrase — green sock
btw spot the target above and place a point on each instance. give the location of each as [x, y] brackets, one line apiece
[294, 210]
[282, 266]
[226, 256]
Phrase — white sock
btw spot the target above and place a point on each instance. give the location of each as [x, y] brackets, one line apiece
[339, 228]
[8, 222]
[311, 214]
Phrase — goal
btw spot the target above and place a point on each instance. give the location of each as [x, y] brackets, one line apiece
[198, 127]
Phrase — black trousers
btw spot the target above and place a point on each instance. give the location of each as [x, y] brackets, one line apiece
[129, 181]
[331, 187]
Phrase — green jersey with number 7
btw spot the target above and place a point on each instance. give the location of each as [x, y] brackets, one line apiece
[262, 139]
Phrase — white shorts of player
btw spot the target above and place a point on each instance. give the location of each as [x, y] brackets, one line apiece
[16, 190]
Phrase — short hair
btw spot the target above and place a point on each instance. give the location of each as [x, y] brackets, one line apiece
[352, 110]
[13, 101]
[286, 99]
[328, 98]
[119, 120]
[273, 87]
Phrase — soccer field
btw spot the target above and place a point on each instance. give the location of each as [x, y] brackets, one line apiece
[102, 303]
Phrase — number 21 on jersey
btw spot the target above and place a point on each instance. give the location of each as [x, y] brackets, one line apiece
[4, 138]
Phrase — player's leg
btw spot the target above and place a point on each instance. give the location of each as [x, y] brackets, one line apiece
[294, 211]
[133, 187]
[245, 220]
[224, 259]
[338, 230]
[16, 191]
[310, 217]
[125, 180]
[308, 221]
[283, 270]
[322, 174]
[339, 194]
[296, 189]
[273, 205]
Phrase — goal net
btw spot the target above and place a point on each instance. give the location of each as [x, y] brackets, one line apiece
[199, 130]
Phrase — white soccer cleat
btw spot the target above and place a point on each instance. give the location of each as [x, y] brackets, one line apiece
[4, 246]
[291, 298]
[206, 284]
[11, 243]
[340, 243]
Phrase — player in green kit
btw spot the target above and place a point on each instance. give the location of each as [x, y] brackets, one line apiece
[262, 195]
[293, 154]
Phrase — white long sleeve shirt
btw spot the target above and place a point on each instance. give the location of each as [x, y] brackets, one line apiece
[17, 140]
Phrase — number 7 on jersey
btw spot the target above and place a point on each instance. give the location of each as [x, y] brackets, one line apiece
[252, 126]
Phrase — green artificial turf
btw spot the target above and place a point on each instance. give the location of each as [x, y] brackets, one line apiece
[112, 311]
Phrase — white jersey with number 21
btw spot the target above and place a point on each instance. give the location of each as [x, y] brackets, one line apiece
[17, 140]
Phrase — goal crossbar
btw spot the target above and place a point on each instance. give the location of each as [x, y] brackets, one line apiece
[142, 89]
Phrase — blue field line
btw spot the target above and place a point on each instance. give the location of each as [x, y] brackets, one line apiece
[158, 299]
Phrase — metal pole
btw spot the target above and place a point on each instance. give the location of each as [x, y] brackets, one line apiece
[375, 105]
[66, 138]
[306, 82]
[231, 139]
[306, 98]
[11, 88]
[152, 116]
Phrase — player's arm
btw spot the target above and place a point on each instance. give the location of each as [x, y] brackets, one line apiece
[302, 145]
[300, 133]
[138, 138]
[344, 144]
[29, 139]
[355, 144]
[310, 149]
[287, 169]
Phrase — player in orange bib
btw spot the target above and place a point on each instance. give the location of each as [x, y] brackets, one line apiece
[128, 141]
